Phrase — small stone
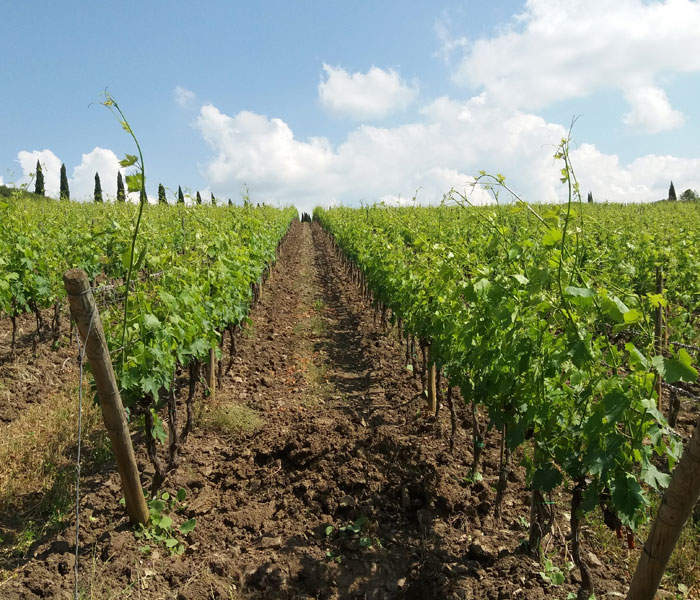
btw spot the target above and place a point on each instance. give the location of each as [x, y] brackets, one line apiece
[405, 499]
[271, 542]
[347, 502]
[594, 560]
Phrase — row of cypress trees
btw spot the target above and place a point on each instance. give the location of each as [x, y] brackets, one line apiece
[181, 197]
[64, 194]
[39, 183]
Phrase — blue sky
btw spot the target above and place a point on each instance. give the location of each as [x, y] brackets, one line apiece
[318, 102]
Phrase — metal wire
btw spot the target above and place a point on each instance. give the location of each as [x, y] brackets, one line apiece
[81, 360]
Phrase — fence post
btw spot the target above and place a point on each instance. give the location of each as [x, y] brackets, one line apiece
[676, 505]
[432, 388]
[211, 374]
[85, 314]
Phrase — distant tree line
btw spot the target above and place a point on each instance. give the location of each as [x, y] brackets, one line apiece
[687, 196]
[64, 193]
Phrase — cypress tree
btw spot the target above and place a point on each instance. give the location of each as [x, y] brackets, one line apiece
[39, 185]
[121, 194]
[213, 200]
[65, 192]
[230, 202]
[199, 198]
[180, 196]
[98, 188]
[590, 197]
[672, 192]
[161, 194]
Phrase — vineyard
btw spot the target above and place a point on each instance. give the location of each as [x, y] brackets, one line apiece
[452, 402]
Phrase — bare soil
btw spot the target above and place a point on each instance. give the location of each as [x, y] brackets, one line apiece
[37, 369]
[345, 439]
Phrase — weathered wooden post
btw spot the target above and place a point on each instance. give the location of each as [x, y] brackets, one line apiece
[679, 499]
[432, 387]
[211, 374]
[85, 314]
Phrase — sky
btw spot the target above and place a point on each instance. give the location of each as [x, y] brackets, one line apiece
[321, 103]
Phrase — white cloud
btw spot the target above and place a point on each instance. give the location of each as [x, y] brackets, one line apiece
[2, 181]
[50, 167]
[560, 50]
[651, 111]
[82, 183]
[183, 97]
[364, 96]
[451, 142]
[449, 44]
[645, 179]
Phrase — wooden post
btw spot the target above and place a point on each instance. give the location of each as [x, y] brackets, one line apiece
[211, 374]
[432, 388]
[658, 330]
[681, 496]
[85, 314]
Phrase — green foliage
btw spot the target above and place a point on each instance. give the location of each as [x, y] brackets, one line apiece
[543, 316]
[98, 189]
[161, 194]
[360, 530]
[672, 192]
[64, 193]
[161, 529]
[552, 574]
[180, 196]
[690, 196]
[39, 183]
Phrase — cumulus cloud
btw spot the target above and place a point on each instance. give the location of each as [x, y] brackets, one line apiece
[651, 111]
[99, 160]
[643, 180]
[557, 51]
[450, 143]
[82, 182]
[364, 96]
[183, 97]
[50, 167]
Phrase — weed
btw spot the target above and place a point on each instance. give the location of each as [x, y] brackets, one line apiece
[360, 529]
[333, 557]
[249, 328]
[37, 473]
[552, 574]
[231, 419]
[35, 447]
[160, 528]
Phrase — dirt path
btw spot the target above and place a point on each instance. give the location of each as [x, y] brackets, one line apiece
[330, 484]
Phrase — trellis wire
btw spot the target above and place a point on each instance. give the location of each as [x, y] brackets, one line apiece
[81, 360]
